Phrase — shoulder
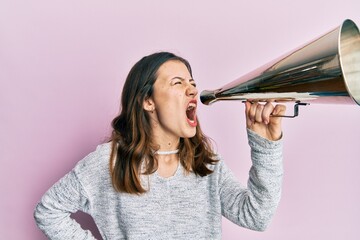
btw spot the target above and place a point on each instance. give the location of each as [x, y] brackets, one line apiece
[219, 162]
[218, 168]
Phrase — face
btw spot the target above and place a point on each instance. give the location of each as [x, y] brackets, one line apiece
[173, 104]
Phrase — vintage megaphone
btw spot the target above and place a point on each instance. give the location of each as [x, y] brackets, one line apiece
[326, 70]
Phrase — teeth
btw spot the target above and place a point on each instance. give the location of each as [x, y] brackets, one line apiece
[191, 106]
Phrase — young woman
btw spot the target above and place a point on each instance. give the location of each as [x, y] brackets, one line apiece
[158, 177]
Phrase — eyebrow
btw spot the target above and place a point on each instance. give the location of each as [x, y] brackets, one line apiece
[182, 79]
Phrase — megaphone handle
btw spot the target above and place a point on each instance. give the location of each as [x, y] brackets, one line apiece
[296, 110]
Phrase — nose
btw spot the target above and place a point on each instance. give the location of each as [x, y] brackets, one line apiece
[191, 90]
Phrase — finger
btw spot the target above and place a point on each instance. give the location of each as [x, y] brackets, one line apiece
[247, 110]
[248, 107]
[268, 109]
[259, 113]
[252, 111]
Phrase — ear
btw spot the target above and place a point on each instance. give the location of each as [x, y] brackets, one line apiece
[149, 105]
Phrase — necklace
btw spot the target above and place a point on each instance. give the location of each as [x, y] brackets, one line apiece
[166, 152]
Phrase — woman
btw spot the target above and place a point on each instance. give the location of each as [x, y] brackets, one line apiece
[158, 177]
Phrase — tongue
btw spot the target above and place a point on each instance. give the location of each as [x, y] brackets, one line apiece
[190, 114]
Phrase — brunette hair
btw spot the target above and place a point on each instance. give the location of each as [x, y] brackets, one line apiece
[131, 135]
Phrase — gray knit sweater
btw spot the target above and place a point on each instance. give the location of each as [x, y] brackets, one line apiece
[183, 206]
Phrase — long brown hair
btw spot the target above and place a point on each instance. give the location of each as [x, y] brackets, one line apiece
[131, 135]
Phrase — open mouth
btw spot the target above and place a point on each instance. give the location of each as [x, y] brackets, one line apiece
[191, 113]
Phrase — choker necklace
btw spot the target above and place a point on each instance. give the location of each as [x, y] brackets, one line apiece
[166, 152]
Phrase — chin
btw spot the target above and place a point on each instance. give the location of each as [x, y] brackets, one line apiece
[190, 134]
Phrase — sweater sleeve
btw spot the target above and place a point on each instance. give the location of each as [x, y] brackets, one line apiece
[52, 213]
[254, 206]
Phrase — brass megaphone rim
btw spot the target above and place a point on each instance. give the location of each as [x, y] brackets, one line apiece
[349, 54]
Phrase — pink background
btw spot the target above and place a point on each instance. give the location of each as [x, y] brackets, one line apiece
[63, 64]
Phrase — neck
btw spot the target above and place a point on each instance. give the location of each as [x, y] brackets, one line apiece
[164, 141]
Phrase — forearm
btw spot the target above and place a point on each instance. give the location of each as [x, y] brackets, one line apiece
[265, 177]
[58, 225]
[253, 207]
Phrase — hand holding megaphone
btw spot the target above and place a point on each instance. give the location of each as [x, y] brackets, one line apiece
[259, 119]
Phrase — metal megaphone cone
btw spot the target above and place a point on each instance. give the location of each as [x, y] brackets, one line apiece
[326, 70]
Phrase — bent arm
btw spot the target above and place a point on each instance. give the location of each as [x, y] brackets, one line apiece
[52, 213]
[254, 206]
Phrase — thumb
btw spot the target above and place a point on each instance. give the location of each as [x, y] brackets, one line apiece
[279, 110]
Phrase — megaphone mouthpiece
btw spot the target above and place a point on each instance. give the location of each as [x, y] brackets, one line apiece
[207, 97]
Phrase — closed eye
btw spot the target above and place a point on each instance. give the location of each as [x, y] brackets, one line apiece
[180, 80]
